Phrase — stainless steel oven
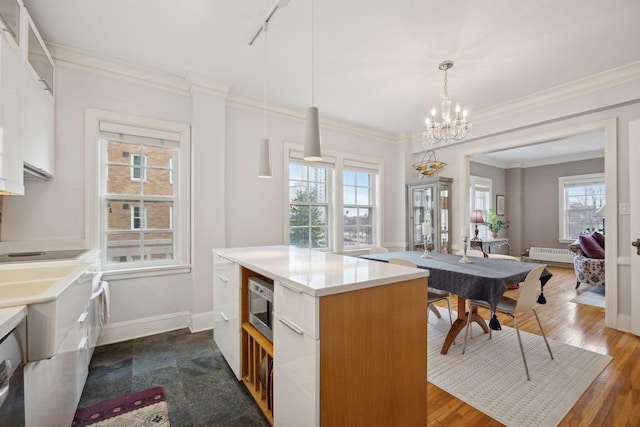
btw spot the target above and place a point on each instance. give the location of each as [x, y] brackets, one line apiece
[261, 305]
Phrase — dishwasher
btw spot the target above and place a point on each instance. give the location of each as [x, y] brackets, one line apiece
[11, 380]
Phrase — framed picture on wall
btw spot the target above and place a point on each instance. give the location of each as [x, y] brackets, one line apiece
[500, 204]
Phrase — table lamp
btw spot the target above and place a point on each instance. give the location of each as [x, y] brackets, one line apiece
[476, 218]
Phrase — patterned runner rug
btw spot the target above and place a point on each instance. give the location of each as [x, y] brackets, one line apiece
[490, 375]
[146, 408]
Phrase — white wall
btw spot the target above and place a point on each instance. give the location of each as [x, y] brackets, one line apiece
[230, 205]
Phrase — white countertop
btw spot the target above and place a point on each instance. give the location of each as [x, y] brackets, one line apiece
[318, 273]
[10, 318]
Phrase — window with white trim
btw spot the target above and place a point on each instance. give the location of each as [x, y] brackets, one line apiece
[480, 199]
[309, 204]
[138, 171]
[580, 197]
[359, 205]
[336, 187]
[143, 215]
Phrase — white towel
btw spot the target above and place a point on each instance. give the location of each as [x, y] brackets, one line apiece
[105, 297]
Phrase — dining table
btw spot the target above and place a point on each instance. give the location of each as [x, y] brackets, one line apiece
[484, 279]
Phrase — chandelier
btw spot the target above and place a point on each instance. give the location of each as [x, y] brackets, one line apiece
[451, 128]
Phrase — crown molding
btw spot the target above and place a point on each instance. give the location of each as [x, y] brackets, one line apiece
[201, 83]
[256, 104]
[84, 61]
[585, 86]
[193, 82]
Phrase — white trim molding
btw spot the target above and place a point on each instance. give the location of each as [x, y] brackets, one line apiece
[201, 321]
[124, 331]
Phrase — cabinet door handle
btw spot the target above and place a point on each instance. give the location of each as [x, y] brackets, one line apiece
[224, 316]
[83, 317]
[221, 277]
[291, 326]
[291, 288]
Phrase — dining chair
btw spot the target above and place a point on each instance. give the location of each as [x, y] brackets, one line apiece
[509, 306]
[433, 295]
[472, 252]
[378, 250]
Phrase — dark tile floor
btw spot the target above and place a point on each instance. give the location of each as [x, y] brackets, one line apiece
[200, 388]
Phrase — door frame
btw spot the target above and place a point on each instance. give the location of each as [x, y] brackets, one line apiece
[634, 225]
[610, 130]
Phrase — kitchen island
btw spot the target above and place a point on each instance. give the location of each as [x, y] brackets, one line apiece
[349, 336]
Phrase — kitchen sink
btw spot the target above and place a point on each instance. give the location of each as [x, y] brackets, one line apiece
[56, 297]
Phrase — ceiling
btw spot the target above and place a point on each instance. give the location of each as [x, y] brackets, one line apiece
[376, 61]
[577, 147]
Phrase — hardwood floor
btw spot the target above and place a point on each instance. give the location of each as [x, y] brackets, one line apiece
[613, 399]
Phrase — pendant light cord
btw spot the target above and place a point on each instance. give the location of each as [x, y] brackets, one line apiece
[264, 82]
[312, 52]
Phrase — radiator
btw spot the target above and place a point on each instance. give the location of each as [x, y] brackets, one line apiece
[551, 254]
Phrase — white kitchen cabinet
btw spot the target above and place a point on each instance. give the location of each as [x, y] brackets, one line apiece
[37, 124]
[12, 76]
[296, 379]
[226, 310]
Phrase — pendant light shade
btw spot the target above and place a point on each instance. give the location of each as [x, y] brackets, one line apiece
[264, 170]
[312, 144]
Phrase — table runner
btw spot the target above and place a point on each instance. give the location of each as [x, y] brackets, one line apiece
[483, 279]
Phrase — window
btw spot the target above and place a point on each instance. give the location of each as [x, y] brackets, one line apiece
[309, 205]
[333, 188]
[581, 196]
[142, 186]
[480, 195]
[137, 220]
[359, 207]
[138, 170]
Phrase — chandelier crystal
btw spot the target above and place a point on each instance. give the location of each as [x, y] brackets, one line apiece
[456, 128]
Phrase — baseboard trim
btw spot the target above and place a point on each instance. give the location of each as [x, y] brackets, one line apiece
[201, 321]
[624, 323]
[124, 331]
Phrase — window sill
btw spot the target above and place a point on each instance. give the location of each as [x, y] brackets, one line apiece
[135, 273]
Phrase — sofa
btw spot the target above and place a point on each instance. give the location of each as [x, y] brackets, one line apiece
[588, 259]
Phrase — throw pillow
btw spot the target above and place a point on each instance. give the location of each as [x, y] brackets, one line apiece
[599, 238]
[590, 246]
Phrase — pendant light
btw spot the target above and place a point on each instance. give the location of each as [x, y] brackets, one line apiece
[312, 143]
[264, 169]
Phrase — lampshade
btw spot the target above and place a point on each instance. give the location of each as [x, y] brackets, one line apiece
[264, 168]
[312, 143]
[476, 217]
[600, 212]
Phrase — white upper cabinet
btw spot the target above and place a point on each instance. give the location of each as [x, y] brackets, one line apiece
[11, 84]
[37, 128]
[10, 19]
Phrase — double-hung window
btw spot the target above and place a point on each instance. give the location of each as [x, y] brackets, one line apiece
[333, 204]
[141, 186]
[310, 186]
[359, 190]
[480, 199]
[581, 196]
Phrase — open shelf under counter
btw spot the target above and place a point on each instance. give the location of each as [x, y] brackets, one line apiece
[257, 347]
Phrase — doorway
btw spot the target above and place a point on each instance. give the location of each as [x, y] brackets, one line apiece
[608, 128]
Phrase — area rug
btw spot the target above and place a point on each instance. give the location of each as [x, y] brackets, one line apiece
[490, 375]
[146, 408]
[592, 296]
